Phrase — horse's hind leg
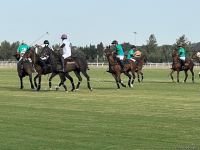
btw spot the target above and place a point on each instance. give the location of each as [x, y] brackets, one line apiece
[142, 75]
[88, 80]
[31, 82]
[77, 73]
[120, 81]
[62, 79]
[133, 74]
[71, 80]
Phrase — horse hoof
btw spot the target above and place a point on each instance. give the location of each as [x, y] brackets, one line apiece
[57, 88]
[131, 85]
[73, 90]
[91, 89]
[50, 89]
[77, 89]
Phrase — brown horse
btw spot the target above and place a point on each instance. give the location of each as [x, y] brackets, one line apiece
[196, 58]
[24, 68]
[140, 61]
[116, 70]
[36, 60]
[176, 66]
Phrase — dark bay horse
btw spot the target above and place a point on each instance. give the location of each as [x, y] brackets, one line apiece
[116, 70]
[176, 66]
[24, 68]
[76, 64]
[36, 60]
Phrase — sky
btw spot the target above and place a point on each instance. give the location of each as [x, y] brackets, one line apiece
[94, 21]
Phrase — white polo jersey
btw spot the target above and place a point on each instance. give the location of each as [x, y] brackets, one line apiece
[66, 49]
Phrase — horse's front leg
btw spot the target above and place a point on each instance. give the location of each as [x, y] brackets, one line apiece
[129, 79]
[31, 82]
[120, 81]
[63, 79]
[21, 82]
[39, 83]
[177, 76]
[71, 80]
[186, 75]
[172, 75]
[116, 80]
[51, 77]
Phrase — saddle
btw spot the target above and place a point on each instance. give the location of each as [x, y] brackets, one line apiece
[70, 60]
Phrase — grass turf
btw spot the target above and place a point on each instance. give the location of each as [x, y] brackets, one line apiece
[155, 114]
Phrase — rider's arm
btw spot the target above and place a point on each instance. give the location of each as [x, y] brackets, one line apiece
[63, 45]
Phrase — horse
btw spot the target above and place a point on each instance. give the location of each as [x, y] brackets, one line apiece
[36, 60]
[140, 61]
[196, 57]
[24, 68]
[76, 64]
[116, 70]
[176, 66]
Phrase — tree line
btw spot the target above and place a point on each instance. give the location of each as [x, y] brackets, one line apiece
[154, 53]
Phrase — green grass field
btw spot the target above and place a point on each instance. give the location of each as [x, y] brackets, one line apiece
[154, 115]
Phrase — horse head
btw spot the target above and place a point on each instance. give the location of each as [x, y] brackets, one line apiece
[144, 59]
[109, 54]
[175, 56]
[17, 56]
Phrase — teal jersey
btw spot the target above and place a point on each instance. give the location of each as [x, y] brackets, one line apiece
[22, 48]
[131, 53]
[181, 52]
[120, 50]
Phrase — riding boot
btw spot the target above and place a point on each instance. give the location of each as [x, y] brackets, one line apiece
[44, 67]
[182, 64]
[20, 63]
[63, 64]
[122, 65]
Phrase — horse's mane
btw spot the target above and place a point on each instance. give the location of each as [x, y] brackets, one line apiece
[17, 57]
[57, 57]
